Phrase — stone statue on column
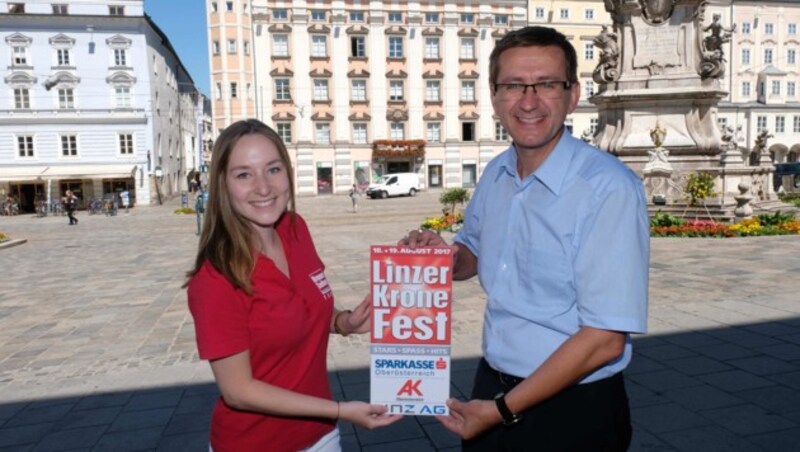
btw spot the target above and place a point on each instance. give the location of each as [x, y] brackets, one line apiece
[713, 57]
[607, 68]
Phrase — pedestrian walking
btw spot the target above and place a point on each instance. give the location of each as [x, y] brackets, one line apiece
[263, 308]
[71, 202]
[200, 208]
[125, 197]
[354, 195]
[558, 317]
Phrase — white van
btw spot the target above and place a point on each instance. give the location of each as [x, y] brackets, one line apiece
[397, 184]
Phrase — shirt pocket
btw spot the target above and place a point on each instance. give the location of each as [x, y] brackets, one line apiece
[545, 281]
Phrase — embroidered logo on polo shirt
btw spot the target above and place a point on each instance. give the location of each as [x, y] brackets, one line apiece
[322, 283]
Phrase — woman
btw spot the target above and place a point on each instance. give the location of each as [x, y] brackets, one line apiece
[72, 204]
[263, 308]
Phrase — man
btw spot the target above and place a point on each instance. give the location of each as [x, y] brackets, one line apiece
[558, 233]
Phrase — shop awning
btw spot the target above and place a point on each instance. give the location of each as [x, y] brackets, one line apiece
[31, 173]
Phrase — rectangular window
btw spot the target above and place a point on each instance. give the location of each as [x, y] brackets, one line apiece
[467, 131]
[780, 124]
[280, 15]
[467, 18]
[214, 7]
[398, 131]
[126, 143]
[231, 46]
[769, 28]
[791, 56]
[746, 89]
[16, 8]
[22, 98]
[60, 9]
[588, 88]
[358, 47]
[767, 56]
[120, 57]
[500, 133]
[434, 132]
[467, 51]
[791, 89]
[360, 133]
[320, 90]
[319, 47]
[395, 18]
[745, 56]
[323, 133]
[432, 48]
[431, 18]
[280, 45]
[20, 56]
[776, 88]
[246, 47]
[588, 51]
[745, 28]
[564, 13]
[234, 90]
[66, 98]
[761, 123]
[122, 96]
[539, 12]
[284, 130]
[215, 47]
[62, 57]
[69, 145]
[432, 89]
[395, 47]
[116, 10]
[796, 127]
[317, 15]
[25, 145]
[357, 16]
[219, 90]
[468, 91]
[593, 124]
[792, 29]
[501, 19]
[396, 90]
[359, 90]
[229, 6]
[588, 14]
[282, 89]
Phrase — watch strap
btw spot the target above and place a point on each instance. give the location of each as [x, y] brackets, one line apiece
[509, 418]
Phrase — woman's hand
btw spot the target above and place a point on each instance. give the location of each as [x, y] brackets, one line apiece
[367, 415]
[357, 321]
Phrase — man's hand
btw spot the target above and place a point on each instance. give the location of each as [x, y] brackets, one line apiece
[423, 237]
[358, 321]
[470, 419]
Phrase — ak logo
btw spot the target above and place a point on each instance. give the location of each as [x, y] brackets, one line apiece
[410, 388]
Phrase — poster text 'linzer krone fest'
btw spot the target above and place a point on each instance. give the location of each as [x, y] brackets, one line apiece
[410, 342]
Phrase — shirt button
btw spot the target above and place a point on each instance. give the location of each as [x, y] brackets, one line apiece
[503, 266]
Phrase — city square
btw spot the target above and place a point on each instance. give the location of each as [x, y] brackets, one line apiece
[97, 348]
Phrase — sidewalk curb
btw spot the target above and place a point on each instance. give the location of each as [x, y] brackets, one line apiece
[12, 243]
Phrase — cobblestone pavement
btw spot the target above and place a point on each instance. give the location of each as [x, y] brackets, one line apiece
[97, 346]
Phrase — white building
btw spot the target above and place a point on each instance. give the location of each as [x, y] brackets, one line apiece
[95, 100]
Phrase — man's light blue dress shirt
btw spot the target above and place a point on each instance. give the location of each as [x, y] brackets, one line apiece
[566, 247]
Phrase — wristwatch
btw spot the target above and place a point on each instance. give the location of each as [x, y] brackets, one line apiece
[509, 418]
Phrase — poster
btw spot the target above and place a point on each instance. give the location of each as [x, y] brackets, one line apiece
[411, 291]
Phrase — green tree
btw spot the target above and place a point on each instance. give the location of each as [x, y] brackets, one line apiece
[453, 196]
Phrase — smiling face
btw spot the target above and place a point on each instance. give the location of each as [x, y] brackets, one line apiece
[534, 123]
[258, 181]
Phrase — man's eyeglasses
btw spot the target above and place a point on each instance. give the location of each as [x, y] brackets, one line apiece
[551, 89]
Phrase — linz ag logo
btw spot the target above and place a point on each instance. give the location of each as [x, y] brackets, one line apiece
[407, 408]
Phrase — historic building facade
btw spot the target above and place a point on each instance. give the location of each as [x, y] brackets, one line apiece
[359, 89]
[95, 100]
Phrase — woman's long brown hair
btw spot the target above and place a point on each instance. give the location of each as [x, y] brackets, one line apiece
[227, 241]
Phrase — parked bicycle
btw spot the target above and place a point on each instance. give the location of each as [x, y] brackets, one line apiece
[95, 206]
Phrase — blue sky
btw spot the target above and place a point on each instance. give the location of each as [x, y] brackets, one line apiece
[184, 23]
